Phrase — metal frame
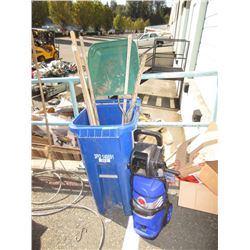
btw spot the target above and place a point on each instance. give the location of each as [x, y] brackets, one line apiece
[182, 57]
[170, 42]
[71, 81]
[163, 75]
[166, 43]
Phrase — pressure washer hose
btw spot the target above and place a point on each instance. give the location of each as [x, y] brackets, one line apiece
[58, 190]
[81, 207]
[77, 199]
[61, 207]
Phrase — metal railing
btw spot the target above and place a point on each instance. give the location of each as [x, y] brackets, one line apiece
[71, 81]
[180, 54]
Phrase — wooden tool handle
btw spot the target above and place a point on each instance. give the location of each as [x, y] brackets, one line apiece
[85, 91]
[92, 96]
[43, 102]
[127, 76]
[137, 84]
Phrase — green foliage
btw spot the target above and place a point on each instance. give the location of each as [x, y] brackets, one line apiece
[107, 18]
[39, 13]
[129, 24]
[166, 18]
[98, 14]
[120, 10]
[60, 12]
[119, 23]
[147, 23]
[86, 14]
[139, 24]
[92, 14]
[132, 9]
[146, 9]
[113, 5]
[156, 19]
[83, 14]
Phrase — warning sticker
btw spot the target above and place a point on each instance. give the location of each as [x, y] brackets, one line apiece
[104, 158]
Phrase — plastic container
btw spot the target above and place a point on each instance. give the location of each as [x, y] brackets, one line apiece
[106, 151]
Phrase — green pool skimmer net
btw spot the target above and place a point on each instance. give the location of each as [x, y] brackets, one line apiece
[107, 66]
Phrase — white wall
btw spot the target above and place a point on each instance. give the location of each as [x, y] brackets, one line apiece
[202, 33]
[174, 16]
[207, 57]
[194, 30]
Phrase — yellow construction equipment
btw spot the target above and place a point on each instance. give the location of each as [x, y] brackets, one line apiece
[45, 45]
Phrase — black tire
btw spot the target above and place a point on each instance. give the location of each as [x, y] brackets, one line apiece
[159, 44]
[56, 56]
[41, 59]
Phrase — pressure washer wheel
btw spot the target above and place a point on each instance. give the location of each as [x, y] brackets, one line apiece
[169, 213]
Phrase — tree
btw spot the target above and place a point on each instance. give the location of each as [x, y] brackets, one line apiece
[119, 23]
[147, 23]
[166, 18]
[60, 12]
[156, 19]
[39, 13]
[129, 24]
[98, 14]
[139, 24]
[145, 10]
[107, 18]
[92, 14]
[165, 10]
[132, 9]
[113, 5]
[83, 14]
[120, 10]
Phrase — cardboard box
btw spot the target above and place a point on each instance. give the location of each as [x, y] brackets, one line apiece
[209, 176]
[197, 196]
[196, 150]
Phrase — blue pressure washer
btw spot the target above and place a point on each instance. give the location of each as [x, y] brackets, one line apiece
[150, 205]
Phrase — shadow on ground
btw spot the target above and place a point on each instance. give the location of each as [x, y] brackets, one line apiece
[188, 229]
[37, 231]
[69, 42]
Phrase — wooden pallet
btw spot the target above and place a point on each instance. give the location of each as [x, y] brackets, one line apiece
[58, 153]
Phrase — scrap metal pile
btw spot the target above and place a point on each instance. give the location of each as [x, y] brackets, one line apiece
[56, 68]
[59, 109]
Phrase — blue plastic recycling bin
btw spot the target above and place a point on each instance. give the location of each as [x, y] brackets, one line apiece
[106, 151]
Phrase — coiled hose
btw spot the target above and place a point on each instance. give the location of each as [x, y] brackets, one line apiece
[61, 207]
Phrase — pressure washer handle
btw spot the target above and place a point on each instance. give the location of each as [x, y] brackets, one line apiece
[172, 171]
[163, 166]
[155, 134]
